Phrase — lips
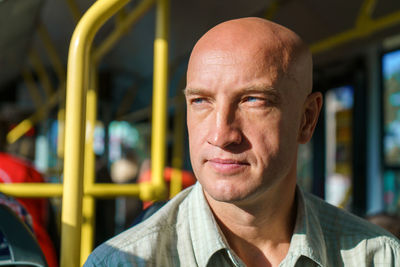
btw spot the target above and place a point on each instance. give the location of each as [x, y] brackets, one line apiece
[227, 166]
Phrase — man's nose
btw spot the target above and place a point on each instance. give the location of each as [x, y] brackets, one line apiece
[225, 130]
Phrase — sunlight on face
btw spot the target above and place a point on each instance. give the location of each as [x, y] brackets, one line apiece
[242, 134]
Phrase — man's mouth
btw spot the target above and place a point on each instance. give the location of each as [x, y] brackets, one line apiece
[227, 166]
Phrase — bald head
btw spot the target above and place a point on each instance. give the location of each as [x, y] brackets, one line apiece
[248, 108]
[272, 47]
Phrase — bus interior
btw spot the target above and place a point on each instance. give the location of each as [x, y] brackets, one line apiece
[91, 97]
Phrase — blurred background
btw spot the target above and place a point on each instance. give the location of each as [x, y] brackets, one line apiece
[353, 160]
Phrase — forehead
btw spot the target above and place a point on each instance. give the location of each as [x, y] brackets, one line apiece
[237, 67]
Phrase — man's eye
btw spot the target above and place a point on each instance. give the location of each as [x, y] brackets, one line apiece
[198, 100]
[252, 99]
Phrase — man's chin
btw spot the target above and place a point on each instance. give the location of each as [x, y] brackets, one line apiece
[227, 197]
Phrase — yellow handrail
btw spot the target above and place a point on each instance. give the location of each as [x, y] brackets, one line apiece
[112, 190]
[103, 190]
[88, 225]
[159, 106]
[364, 26]
[77, 68]
[32, 190]
[72, 189]
[78, 64]
[88, 207]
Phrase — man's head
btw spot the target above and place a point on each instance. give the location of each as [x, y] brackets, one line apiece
[249, 105]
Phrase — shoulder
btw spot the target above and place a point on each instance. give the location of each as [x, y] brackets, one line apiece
[137, 245]
[353, 238]
[333, 219]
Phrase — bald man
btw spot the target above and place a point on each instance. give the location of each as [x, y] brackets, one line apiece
[249, 105]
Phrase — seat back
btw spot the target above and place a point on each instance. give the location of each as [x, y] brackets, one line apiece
[23, 247]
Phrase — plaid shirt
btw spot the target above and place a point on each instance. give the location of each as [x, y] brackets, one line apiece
[184, 233]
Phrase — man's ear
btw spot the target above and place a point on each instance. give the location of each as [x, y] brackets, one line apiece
[311, 110]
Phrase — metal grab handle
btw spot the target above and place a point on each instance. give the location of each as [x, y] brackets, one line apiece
[77, 80]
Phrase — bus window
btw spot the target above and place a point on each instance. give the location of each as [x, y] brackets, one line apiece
[391, 130]
[339, 121]
[304, 166]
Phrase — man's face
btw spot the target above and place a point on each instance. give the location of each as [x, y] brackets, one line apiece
[243, 124]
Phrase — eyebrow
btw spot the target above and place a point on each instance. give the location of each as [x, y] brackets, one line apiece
[253, 89]
[262, 90]
[194, 91]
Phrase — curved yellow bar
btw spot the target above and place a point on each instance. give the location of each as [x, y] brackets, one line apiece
[78, 61]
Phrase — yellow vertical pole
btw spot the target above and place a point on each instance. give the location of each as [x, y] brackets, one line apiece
[88, 209]
[73, 161]
[77, 78]
[160, 83]
[177, 151]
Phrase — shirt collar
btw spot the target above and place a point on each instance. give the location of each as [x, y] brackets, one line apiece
[307, 239]
[205, 234]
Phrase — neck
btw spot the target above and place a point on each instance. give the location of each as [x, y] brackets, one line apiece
[259, 234]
